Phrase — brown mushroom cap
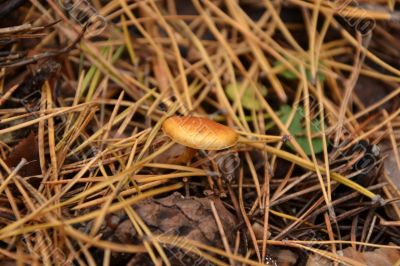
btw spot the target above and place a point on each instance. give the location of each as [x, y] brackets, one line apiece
[199, 133]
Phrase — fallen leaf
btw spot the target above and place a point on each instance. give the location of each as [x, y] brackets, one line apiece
[380, 256]
[317, 260]
[390, 165]
[366, 91]
[287, 74]
[298, 131]
[392, 171]
[27, 148]
[286, 257]
[175, 215]
[259, 231]
[353, 254]
[249, 98]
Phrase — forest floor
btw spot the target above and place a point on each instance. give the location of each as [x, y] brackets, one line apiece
[311, 89]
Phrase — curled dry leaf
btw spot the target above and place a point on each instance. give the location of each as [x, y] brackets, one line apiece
[190, 218]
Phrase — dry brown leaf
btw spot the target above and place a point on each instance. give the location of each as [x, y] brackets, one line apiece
[28, 149]
[353, 254]
[367, 92]
[391, 168]
[392, 171]
[286, 257]
[380, 256]
[317, 260]
[175, 215]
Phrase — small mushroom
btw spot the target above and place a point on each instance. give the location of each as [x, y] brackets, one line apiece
[199, 133]
[202, 134]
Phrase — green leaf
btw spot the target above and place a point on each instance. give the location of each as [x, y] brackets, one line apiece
[286, 73]
[289, 75]
[320, 76]
[298, 131]
[249, 98]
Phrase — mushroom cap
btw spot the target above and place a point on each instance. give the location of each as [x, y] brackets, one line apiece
[199, 133]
